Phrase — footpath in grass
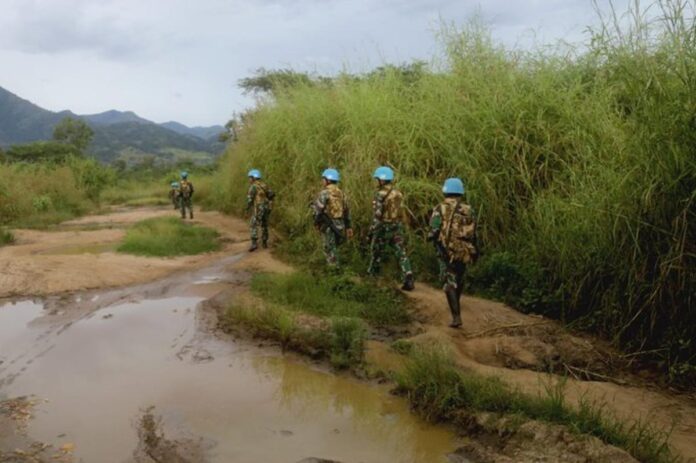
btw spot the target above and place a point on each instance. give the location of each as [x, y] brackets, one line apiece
[167, 237]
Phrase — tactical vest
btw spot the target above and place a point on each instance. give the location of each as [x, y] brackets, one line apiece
[261, 195]
[392, 200]
[185, 188]
[335, 206]
[458, 230]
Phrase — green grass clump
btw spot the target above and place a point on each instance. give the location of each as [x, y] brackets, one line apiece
[170, 236]
[6, 237]
[348, 337]
[437, 389]
[331, 295]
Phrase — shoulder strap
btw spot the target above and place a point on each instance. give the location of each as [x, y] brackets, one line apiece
[449, 222]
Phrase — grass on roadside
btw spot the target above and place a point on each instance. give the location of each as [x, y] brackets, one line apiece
[437, 389]
[6, 237]
[333, 296]
[168, 236]
[341, 339]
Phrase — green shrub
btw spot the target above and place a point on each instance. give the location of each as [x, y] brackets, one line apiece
[6, 237]
[170, 236]
[580, 167]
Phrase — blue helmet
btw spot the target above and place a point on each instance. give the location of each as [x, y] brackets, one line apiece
[254, 173]
[384, 173]
[331, 175]
[453, 186]
[184, 174]
[175, 184]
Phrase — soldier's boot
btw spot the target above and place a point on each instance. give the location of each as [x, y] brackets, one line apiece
[454, 307]
[253, 246]
[409, 282]
[190, 213]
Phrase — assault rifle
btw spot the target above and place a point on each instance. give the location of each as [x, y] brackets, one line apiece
[322, 219]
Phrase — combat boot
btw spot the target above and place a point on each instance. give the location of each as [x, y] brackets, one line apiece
[191, 214]
[253, 247]
[455, 309]
[409, 284]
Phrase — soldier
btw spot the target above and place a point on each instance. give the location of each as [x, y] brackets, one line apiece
[185, 195]
[174, 194]
[259, 203]
[387, 229]
[332, 216]
[453, 231]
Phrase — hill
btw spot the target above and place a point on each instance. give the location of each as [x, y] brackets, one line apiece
[117, 134]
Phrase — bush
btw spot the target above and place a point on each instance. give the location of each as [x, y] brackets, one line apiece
[6, 237]
[580, 167]
[165, 237]
[347, 342]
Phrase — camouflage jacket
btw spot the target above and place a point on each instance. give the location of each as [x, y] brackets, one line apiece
[453, 229]
[387, 206]
[259, 194]
[185, 189]
[332, 202]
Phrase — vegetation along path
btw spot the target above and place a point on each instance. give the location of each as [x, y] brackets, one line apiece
[113, 357]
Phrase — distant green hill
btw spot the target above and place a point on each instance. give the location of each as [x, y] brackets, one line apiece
[117, 134]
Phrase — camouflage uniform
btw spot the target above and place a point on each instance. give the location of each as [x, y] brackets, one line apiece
[387, 230]
[332, 218]
[185, 198]
[259, 203]
[174, 197]
[453, 230]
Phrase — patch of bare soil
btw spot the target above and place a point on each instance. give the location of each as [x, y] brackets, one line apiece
[49, 262]
[155, 447]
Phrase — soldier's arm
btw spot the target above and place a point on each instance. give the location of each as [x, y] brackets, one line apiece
[251, 194]
[435, 224]
[191, 188]
[377, 210]
[319, 205]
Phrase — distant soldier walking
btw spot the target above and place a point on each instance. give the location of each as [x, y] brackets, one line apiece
[185, 195]
[174, 194]
[453, 231]
[332, 216]
[387, 229]
[259, 203]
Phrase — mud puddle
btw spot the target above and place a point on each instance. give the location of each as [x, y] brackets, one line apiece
[100, 366]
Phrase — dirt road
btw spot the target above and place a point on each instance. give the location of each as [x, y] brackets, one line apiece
[78, 257]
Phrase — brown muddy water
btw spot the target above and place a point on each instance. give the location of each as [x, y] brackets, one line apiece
[98, 361]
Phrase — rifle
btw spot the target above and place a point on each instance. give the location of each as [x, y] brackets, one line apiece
[324, 219]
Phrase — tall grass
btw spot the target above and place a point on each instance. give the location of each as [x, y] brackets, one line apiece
[168, 236]
[581, 167]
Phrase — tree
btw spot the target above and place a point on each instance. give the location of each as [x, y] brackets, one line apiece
[73, 132]
[272, 81]
[40, 151]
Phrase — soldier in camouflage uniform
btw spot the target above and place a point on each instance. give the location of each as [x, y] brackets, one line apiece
[259, 203]
[453, 231]
[174, 194]
[185, 195]
[387, 229]
[332, 216]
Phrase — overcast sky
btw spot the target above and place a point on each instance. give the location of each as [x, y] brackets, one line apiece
[181, 60]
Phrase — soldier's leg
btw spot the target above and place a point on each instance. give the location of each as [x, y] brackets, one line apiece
[376, 252]
[264, 227]
[449, 279]
[190, 207]
[399, 244]
[330, 248]
[460, 271]
[182, 207]
[253, 231]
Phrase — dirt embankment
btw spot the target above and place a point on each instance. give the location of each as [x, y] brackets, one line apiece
[525, 351]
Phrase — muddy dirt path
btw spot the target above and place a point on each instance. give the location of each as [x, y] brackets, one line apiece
[77, 258]
[138, 374]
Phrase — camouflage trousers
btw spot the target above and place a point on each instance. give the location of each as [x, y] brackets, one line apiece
[259, 219]
[186, 203]
[452, 275]
[330, 247]
[388, 236]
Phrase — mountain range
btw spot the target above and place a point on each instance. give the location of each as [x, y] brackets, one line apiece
[117, 134]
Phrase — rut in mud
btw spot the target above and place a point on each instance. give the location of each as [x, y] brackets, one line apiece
[86, 365]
